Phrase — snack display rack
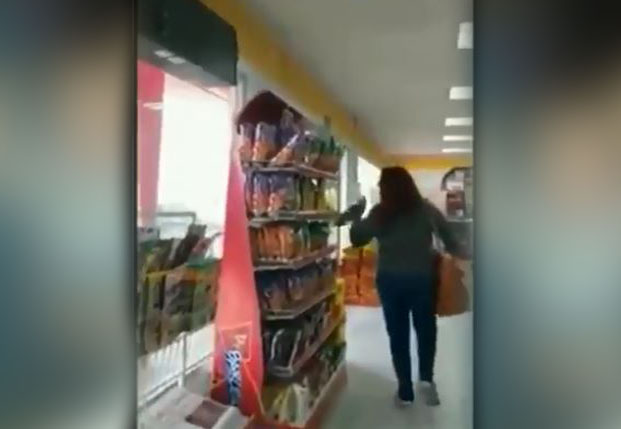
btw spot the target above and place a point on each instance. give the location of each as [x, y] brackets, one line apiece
[280, 345]
[357, 269]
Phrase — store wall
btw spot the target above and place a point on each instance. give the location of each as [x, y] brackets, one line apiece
[368, 176]
[429, 182]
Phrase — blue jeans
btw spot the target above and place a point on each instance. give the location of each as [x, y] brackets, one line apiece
[402, 295]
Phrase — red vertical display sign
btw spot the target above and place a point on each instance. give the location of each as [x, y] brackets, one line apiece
[238, 359]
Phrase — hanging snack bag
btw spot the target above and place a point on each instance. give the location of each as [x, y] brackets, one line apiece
[266, 242]
[307, 191]
[246, 144]
[249, 192]
[301, 150]
[295, 287]
[271, 291]
[260, 194]
[294, 151]
[274, 243]
[315, 148]
[320, 202]
[287, 129]
[301, 241]
[262, 243]
[286, 154]
[283, 195]
[331, 158]
[254, 243]
[286, 238]
[264, 142]
[316, 236]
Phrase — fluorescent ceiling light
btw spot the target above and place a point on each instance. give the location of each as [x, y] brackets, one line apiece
[457, 138]
[458, 122]
[464, 38]
[163, 53]
[456, 150]
[460, 93]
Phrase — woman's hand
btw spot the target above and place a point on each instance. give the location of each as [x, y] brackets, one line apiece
[354, 212]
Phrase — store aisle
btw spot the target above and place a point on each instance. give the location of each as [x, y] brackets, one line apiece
[367, 400]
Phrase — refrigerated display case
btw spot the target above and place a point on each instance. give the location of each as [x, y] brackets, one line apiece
[458, 185]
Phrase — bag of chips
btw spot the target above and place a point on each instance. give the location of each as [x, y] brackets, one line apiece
[283, 193]
[264, 143]
[294, 151]
[246, 144]
[260, 194]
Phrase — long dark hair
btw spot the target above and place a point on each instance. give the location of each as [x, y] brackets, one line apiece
[398, 194]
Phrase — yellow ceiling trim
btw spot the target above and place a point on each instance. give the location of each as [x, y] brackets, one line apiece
[259, 48]
[432, 162]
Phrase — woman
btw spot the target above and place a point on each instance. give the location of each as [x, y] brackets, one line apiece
[403, 224]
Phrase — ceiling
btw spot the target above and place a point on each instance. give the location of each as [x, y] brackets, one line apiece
[390, 63]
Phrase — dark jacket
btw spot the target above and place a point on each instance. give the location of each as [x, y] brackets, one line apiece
[405, 244]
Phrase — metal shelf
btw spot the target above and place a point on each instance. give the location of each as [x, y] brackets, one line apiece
[295, 264]
[288, 372]
[294, 216]
[293, 313]
[301, 169]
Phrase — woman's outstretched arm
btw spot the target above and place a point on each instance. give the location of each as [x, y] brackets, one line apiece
[363, 230]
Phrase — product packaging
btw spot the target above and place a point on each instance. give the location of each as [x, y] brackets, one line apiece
[319, 234]
[307, 194]
[260, 194]
[264, 143]
[288, 243]
[314, 151]
[249, 192]
[287, 129]
[283, 193]
[295, 288]
[272, 291]
[246, 144]
[294, 151]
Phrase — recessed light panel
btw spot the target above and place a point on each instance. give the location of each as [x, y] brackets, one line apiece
[458, 122]
[457, 138]
[460, 93]
[464, 38]
[456, 150]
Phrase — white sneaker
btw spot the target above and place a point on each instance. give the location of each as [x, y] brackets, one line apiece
[400, 403]
[430, 392]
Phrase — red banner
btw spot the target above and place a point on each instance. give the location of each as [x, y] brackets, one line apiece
[238, 360]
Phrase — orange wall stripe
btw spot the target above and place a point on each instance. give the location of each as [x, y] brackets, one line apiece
[432, 162]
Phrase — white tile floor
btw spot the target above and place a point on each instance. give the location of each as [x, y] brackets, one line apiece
[367, 400]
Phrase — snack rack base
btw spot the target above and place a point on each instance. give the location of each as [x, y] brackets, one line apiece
[321, 411]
